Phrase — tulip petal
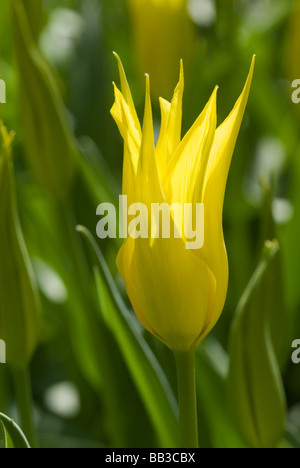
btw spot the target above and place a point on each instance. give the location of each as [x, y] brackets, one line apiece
[214, 251]
[127, 93]
[171, 122]
[186, 170]
[148, 187]
[174, 311]
[129, 125]
[225, 140]
[125, 121]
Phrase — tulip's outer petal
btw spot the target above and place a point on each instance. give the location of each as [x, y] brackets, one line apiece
[125, 121]
[170, 134]
[214, 251]
[124, 262]
[171, 290]
[186, 170]
[129, 125]
[224, 142]
[127, 93]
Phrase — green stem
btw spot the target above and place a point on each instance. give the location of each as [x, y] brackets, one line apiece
[22, 387]
[185, 365]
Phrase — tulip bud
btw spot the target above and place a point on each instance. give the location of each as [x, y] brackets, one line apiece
[177, 293]
[18, 294]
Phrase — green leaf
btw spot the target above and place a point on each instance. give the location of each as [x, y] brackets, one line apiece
[48, 139]
[145, 370]
[274, 280]
[34, 10]
[19, 302]
[3, 441]
[216, 429]
[99, 180]
[10, 428]
[255, 389]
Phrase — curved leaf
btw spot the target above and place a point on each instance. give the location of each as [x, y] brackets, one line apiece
[48, 138]
[19, 301]
[12, 429]
[255, 388]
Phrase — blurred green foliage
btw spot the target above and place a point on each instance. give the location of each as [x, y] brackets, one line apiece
[89, 387]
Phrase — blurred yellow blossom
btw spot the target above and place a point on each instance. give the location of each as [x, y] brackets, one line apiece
[163, 33]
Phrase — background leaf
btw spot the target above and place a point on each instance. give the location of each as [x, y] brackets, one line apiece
[255, 388]
[12, 429]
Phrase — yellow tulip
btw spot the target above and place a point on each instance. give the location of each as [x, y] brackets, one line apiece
[177, 294]
[163, 33]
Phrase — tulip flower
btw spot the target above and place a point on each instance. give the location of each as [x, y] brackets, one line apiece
[177, 293]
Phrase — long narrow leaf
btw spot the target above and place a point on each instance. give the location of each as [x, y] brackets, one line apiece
[255, 388]
[18, 438]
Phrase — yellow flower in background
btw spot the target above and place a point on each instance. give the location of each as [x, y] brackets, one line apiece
[177, 294]
[163, 33]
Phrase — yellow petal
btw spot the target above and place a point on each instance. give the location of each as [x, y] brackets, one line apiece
[214, 252]
[225, 140]
[171, 118]
[171, 290]
[127, 93]
[124, 113]
[125, 121]
[148, 187]
[186, 170]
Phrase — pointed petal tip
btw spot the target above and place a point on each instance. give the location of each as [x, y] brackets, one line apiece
[148, 107]
[181, 67]
[119, 61]
[252, 66]
[116, 89]
[181, 73]
[147, 76]
[213, 97]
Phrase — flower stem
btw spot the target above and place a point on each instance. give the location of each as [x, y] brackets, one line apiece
[185, 365]
[22, 387]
